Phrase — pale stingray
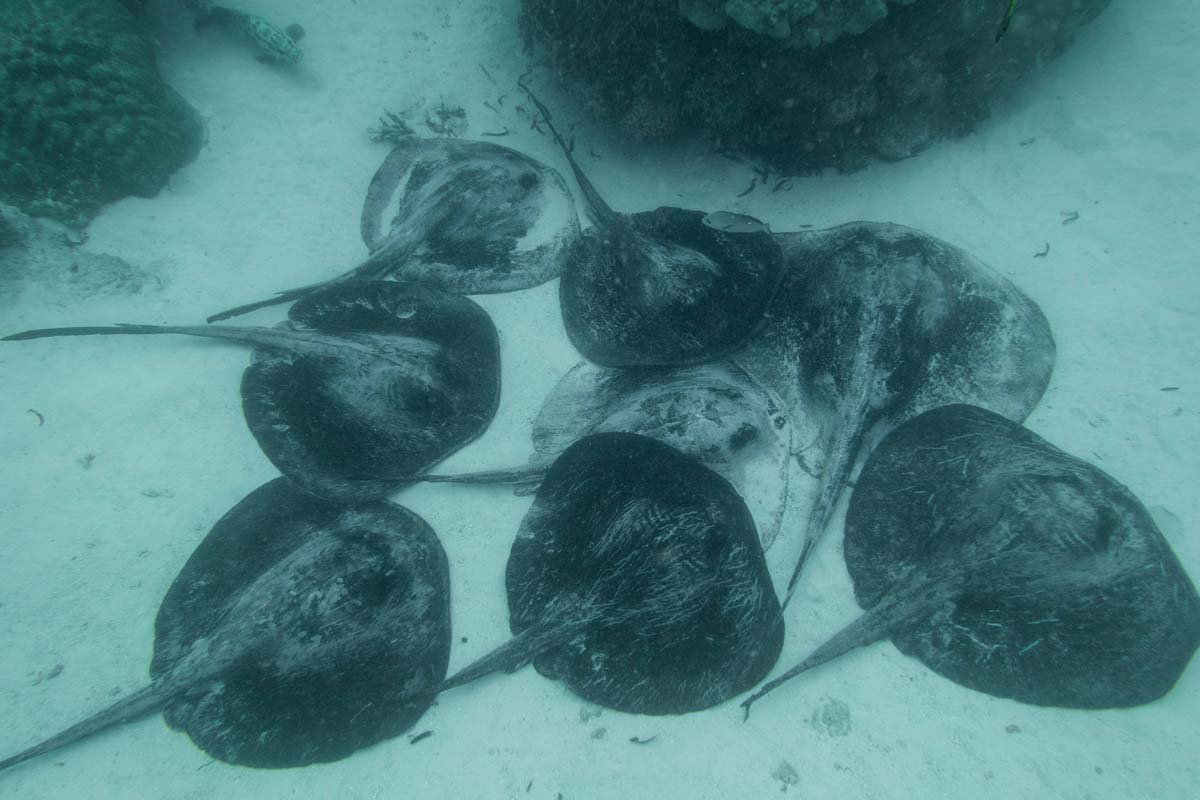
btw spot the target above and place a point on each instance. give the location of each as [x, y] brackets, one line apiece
[1012, 568]
[467, 217]
[298, 632]
[875, 323]
[714, 412]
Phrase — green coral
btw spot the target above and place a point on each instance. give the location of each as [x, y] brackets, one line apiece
[86, 118]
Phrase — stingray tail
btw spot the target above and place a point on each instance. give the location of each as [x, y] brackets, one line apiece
[603, 213]
[281, 297]
[842, 448]
[916, 597]
[210, 332]
[551, 630]
[529, 476]
[278, 338]
[132, 707]
[770, 529]
[99, 330]
[378, 266]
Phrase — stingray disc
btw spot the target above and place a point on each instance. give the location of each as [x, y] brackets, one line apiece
[489, 219]
[1063, 590]
[424, 382]
[664, 288]
[873, 324]
[713, 412]
[335, 620]
[956, 331]
[660, 553]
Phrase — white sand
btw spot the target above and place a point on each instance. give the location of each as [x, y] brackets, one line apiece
[273, 201]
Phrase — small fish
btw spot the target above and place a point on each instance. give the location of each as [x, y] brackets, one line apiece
[729, 222]
[278, 47]
[1004, 23]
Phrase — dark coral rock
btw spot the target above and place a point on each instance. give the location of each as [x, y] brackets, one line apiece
[86, 119]
[9, 234]
[806, 84]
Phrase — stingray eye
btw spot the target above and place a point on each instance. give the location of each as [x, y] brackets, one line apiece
[743, 436]
[527, 180]
[423, 401]
[1104, 530]
[375, 587]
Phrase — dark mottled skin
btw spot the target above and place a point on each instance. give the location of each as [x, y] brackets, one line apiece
[1012, 568]
[660, 287]
[298, 632]
[654, 559]
[346, 616]
[366, 385]
[356, 423]
[1065, 592]
[875, 323]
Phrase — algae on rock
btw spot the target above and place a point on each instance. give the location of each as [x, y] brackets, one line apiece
[804, 84]
[86, 118]
[799, 23]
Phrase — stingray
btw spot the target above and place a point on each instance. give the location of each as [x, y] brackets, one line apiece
[468, 217]
[299, 631]
[713, 412]
[875, 323]
[368, 383]
[1012, 568]
[637, 580]
[661, 287]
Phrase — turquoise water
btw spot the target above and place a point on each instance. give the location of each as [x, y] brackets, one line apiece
[138, 445]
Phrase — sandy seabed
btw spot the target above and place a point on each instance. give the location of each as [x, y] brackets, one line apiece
[143, 445]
